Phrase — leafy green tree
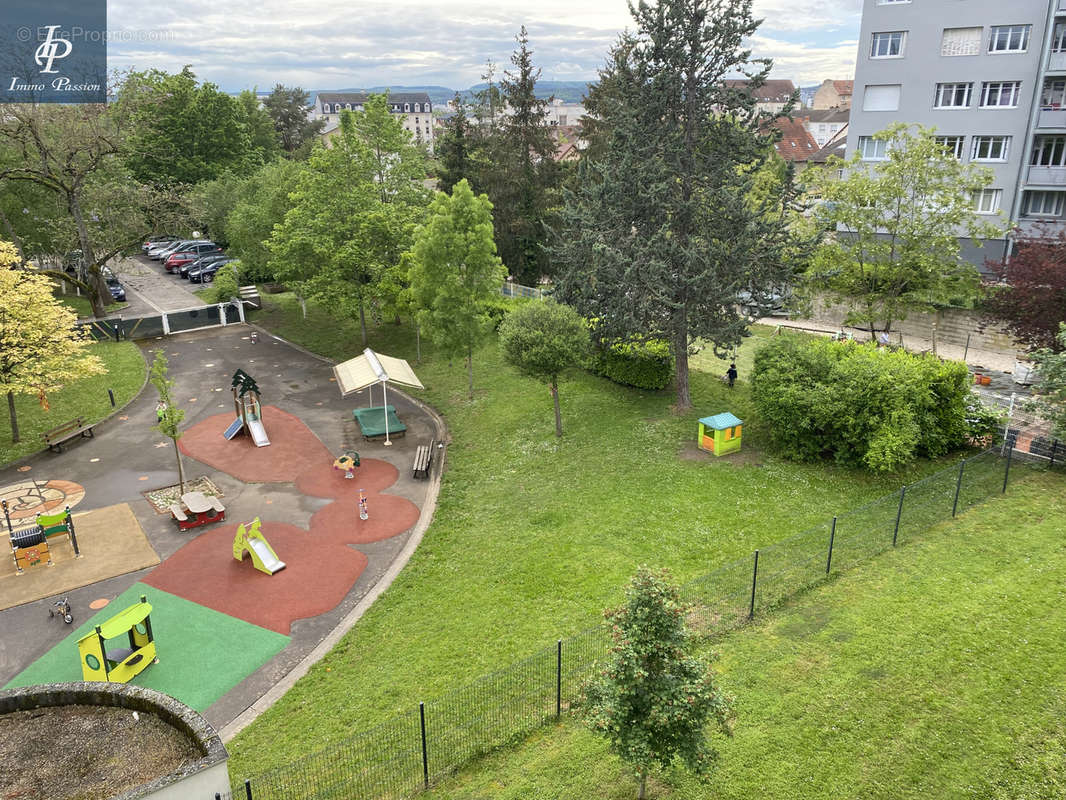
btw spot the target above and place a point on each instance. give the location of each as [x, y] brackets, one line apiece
[1049, 399]
[41, 349]
[453, 150]
[226, 282]
[263, 140]
[211, 203]
[524, 176]
[181, 132]
[454, 271]
[655, 698]
[661, 237]
[287, 107]
[544, 339]
[261, 203]
[169, 416]
[897, 223]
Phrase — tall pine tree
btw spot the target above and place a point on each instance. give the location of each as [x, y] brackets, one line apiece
[453, 150]
[662, 237]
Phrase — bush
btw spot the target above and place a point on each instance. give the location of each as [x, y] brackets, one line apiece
[226, 282]
[645, 365]
[860, 405]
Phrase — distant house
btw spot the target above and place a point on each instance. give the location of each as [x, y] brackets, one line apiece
[834, 147]
[796, 144]
[771, 96]
[833, 94]
[823, 123]
[567, 142]
[415, 109]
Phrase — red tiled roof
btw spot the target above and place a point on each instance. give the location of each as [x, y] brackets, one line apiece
[772, 91]
[844, 88]
[796, 143]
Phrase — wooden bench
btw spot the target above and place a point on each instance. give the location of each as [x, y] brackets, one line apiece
[423, 457]
[68, 430]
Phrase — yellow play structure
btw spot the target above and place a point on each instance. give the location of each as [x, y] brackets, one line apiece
[263, 556]
[119, 665]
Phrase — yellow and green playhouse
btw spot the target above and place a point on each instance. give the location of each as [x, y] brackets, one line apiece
[719, 434]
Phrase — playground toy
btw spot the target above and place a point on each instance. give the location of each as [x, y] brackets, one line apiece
[719, 434]
[263, 556]
[248, 409]
[121, 664]
[61, 610]
[30, 545]
[363, 372]
[347, 463]
[364, 513]
[204, 510]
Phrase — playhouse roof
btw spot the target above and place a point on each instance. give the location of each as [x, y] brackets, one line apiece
[371, 367]
[123, 621]
[721, 421]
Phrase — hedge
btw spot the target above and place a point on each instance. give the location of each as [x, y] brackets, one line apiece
[645, 365]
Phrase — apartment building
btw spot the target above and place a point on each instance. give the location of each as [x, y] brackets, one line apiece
[413, 108]
[991, 78]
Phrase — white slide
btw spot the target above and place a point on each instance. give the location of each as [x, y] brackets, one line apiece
[259, 434]
[270, 563]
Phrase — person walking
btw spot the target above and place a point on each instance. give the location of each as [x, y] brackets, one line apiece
[731, 375]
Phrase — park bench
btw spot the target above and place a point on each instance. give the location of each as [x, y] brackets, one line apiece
[423, 457]
[68, 430]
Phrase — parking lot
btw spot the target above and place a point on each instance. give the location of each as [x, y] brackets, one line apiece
[150, 290]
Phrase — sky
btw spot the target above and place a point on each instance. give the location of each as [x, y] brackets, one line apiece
[335, 44]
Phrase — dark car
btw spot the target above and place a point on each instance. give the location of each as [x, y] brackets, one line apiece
[202, 261]
[206, 274]
[118, 291]
[188, 254]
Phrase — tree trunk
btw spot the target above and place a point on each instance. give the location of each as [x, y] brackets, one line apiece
[418, 343]
[684, 399]
[642, 790]
[181, 469]
[94, 280]
[303, 307]
[362, 324]
[558, 416]
[14, 417]
[470, 371]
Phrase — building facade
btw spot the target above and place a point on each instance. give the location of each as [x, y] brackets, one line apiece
[414, 108]
[833, 94]
[990, 78]
[823, 124]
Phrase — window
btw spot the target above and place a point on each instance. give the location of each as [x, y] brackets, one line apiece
[961, 42]
[881, 98]
[427, 109]
[872, 149]
[417, 106]
[1000, 94]
[1049, 151]
[986, 201]
[887, 45]
[1043, 204]
[953, 95]
[952, 144]
[406, 106]
[990, 148]
[325, 108]
[1058, 38]
[1008, 39]
[1054, 94]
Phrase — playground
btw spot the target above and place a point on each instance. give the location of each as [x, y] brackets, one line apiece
[229, 609]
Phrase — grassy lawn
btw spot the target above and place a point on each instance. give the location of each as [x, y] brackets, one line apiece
[934, 670]
[533, 536]
[81, 306]
[87, 399]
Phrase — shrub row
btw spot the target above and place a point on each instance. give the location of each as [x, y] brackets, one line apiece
[645, 365]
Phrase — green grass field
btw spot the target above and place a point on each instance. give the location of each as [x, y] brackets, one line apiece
[87, 399]
[532, 536]
[81, 306]
[934, 670]
[225, 649]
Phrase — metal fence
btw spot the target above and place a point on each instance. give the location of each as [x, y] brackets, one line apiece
[410, 752]
[511, 289]
[164, 323]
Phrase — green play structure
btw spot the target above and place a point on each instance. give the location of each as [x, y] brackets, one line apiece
[119, 664]
[252, 540]
[719, 434]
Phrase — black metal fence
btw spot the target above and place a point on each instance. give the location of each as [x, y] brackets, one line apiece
[409, 752]
[162, 324]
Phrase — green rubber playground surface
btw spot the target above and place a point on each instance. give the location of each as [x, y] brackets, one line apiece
[202, 653]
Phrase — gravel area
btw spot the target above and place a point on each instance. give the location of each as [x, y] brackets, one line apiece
[86, 752]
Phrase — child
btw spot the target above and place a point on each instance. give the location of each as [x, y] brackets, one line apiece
[731, 375]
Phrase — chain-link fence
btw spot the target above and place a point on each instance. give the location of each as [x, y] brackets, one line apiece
[412, 751]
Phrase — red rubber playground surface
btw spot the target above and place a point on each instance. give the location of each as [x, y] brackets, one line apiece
[321, 563]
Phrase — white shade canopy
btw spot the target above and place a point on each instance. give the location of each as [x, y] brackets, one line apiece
[370, 368]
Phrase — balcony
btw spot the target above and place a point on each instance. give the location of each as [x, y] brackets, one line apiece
[1056, 61]
[1051, 118]
[1047, 176]
[1061, 5]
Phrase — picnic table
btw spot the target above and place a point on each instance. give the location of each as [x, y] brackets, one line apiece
[195, 509]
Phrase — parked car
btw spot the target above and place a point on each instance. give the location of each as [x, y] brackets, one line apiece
[206, 274]
[160, 252]
[156, 241]
[202, 261]
[118, 291]
[188, 254]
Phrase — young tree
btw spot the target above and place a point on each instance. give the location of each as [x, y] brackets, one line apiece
[897, 225]
[660, 238]
[1031, 297]
[654, 699]
[287, 107]
[524, 175]
[41, 350]
[1050, 396]
[542, 339]
[168, 414]
[454, 269]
